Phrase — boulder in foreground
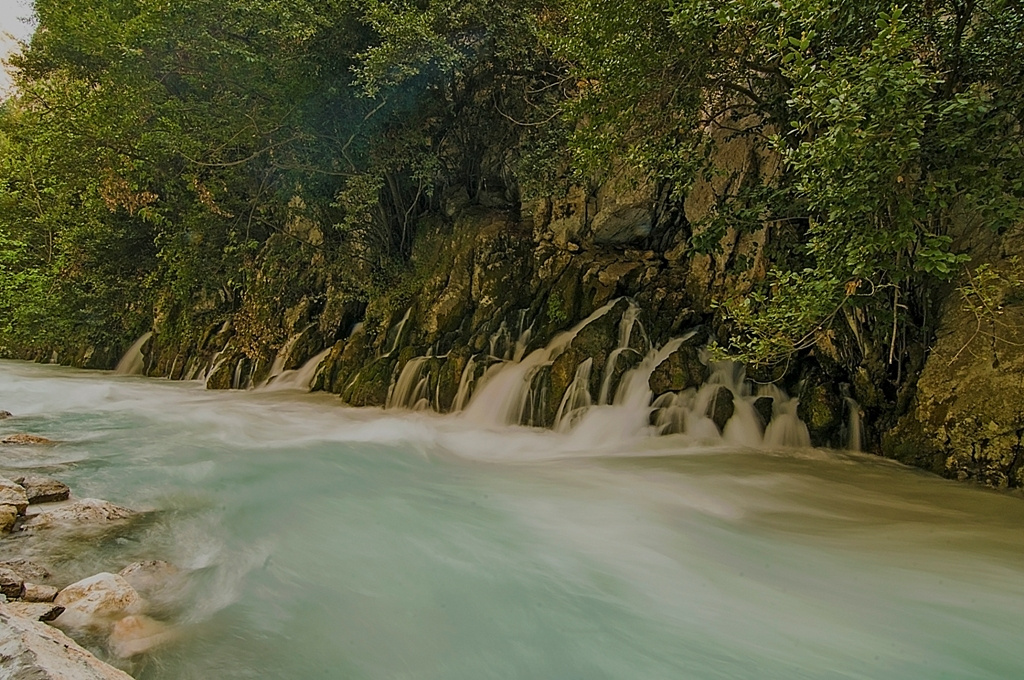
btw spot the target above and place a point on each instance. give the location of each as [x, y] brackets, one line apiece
[31, 650]
[96, 602]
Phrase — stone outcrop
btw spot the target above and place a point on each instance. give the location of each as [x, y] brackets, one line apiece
[43, 489]
[35, 592]
[967, 416]
[12, 583]
[35, 611]
[96, 602]
[84, 516]
[26, 570]
[32, 650]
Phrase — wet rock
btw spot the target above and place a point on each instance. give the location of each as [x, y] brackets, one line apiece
[12, 585]
[137, 634]
[31, 650]
[39, 593]
[13, 494]
[4, 415]
[821, 409]
[721, 407]
[22, 439]
[8, 518]
[96, 602]
[680, 370]
[28, 571]
[44, 489]
[87, 513]
[35, 611]
[763, 408]
[157, 581]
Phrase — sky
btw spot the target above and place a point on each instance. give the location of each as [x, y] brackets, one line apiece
[11, 13]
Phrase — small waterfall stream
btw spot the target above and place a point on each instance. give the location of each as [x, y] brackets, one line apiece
[133, 363]
[298, 378]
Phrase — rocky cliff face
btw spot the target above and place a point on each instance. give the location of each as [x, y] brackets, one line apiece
[494, 283]
[967, 417]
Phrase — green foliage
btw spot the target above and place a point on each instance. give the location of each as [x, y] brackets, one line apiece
[166, 160]
[556, 309]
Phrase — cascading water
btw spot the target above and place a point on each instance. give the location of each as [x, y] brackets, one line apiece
[411, 386]
[466, 381]
[133, 363]
[854, 425]
[299, 378]
[506, 389]
[577, 398]
[398, 329]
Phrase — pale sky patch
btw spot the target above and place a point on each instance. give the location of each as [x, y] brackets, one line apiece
[13, 28]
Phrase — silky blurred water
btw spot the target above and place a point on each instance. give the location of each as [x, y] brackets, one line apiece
[326, 542]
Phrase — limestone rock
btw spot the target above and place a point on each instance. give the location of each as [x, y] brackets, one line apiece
[136, 634]
[31, 650]
[22, 439]
[28, 571]
[8, 517]
[12, 585]
[87, 513]
[35, 611]
[721, 407]
[13, 494]
[44, 489]
[96, 601]
[35, 592]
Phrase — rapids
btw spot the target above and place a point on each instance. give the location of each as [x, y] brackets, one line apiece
[328, 542]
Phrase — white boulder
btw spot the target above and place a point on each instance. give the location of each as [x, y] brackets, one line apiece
[96, 602]
[31, 650]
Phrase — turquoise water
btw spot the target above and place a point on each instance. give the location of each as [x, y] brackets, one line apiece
[326, 542]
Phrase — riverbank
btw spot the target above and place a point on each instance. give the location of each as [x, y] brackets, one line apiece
[41, 523]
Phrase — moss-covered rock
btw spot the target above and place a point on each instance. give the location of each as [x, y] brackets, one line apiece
[821, 409]
[680, 370]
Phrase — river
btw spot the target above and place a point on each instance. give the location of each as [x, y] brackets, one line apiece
[328, 542]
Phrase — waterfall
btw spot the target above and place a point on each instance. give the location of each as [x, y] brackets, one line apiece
[133, 363]
[411, 385]
[630, 318]
[786, 428]
[577, 398]
[854, 426]
[236, 380]
[506, 388]
[466, 381]
[512, 391]
[281, 358]
[398, 328]
[299, 378]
